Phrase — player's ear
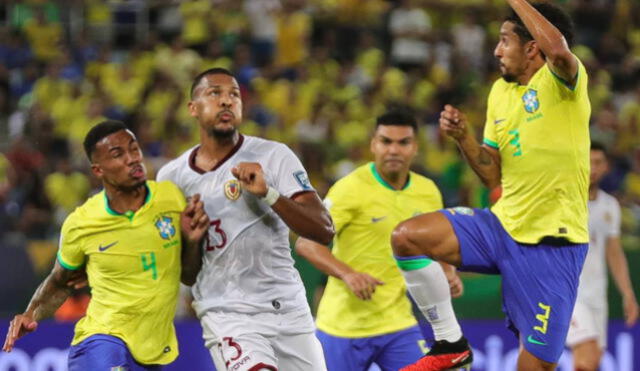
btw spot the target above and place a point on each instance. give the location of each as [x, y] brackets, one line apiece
[192, 109]
[96, 170]
[531, 49]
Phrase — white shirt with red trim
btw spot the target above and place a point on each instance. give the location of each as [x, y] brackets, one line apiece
[247, 264]
[604, 223]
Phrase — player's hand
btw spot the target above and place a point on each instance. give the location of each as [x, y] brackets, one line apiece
[453, 122]
[21, 325]
[455, 284]
[78, 279]
[630, 306]
[251, 178]
[361, 284]
[193, 220]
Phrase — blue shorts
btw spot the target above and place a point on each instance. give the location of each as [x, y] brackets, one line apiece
[539, 282]
[104, 352]
[390, 352]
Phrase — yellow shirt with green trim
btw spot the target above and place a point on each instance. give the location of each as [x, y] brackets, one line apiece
[542, 133]
[365, 209]
[133, 264]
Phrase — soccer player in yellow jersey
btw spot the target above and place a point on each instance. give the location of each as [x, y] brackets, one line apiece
[365, 316]
[536, 145]
[136, 240]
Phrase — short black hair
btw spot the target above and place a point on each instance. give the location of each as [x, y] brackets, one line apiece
[553, 13]
[398, 117]
[210, 71]
[597, 146]
[99, 131]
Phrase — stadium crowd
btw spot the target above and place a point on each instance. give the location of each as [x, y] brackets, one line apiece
[314, 74]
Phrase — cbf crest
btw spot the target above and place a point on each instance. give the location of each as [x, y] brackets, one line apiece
[165, 227]
[232, 189]
[531, 102]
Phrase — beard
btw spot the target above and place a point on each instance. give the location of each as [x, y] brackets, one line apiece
[221, 134]
[508, 77]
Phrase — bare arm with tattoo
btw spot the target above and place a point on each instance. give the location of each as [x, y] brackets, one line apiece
[484, 160]
[49, 296]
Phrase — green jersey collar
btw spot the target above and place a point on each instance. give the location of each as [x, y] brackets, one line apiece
[384, 183]
[129, 214]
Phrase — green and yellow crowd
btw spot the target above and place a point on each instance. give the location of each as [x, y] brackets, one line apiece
[313, 73]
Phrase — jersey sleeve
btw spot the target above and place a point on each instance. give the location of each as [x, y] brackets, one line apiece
[289, 177]
[342, 204]
[490, 137]
[70, 252]
[566, 90]
[614, 226]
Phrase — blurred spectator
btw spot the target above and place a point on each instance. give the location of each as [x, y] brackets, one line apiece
[195, 18]
[44, 36]
[23, 80]
[24, 11]
[99, 21]
[66, 188]
[262, 16]
[15, 52]
[178, 62]
[469, 40]
[605, 126]
[294, 29]
[409, 26]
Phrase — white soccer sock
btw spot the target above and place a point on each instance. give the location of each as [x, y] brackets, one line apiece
[429, 288]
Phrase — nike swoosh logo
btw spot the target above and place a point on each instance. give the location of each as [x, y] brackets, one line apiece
[534, 341]
[375, 220]
[460, 358]
[102, 248]
[498, 121]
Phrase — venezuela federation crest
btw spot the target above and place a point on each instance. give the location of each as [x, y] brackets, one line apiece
[232, 189]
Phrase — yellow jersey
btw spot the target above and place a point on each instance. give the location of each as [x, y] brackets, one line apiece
[542, 132]
[365, 209]
[133, 264]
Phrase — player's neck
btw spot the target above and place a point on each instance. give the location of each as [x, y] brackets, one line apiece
[213, 149]
[593, 191]
[396, 181]
[533, 67]
[123, 200]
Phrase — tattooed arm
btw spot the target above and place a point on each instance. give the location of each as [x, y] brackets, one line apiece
[484, 160]
[49, 296]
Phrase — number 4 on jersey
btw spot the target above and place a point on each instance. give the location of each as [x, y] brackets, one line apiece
[150, 264]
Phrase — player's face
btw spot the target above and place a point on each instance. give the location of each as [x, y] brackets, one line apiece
[117, 161]
[217, 105]
[393, 148]
[510, 52]
[599, 166]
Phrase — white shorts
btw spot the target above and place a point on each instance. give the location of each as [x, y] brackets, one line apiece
[588, 323]
[270, 341]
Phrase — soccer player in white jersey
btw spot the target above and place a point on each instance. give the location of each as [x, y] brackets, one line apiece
[587, 335]
[248, 295]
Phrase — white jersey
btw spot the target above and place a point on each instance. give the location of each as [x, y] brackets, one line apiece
[604, 222]
[247, 265]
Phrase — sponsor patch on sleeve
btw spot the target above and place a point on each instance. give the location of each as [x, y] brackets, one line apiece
[302, 179]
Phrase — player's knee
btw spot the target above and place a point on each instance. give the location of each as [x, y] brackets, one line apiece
[401, 240]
